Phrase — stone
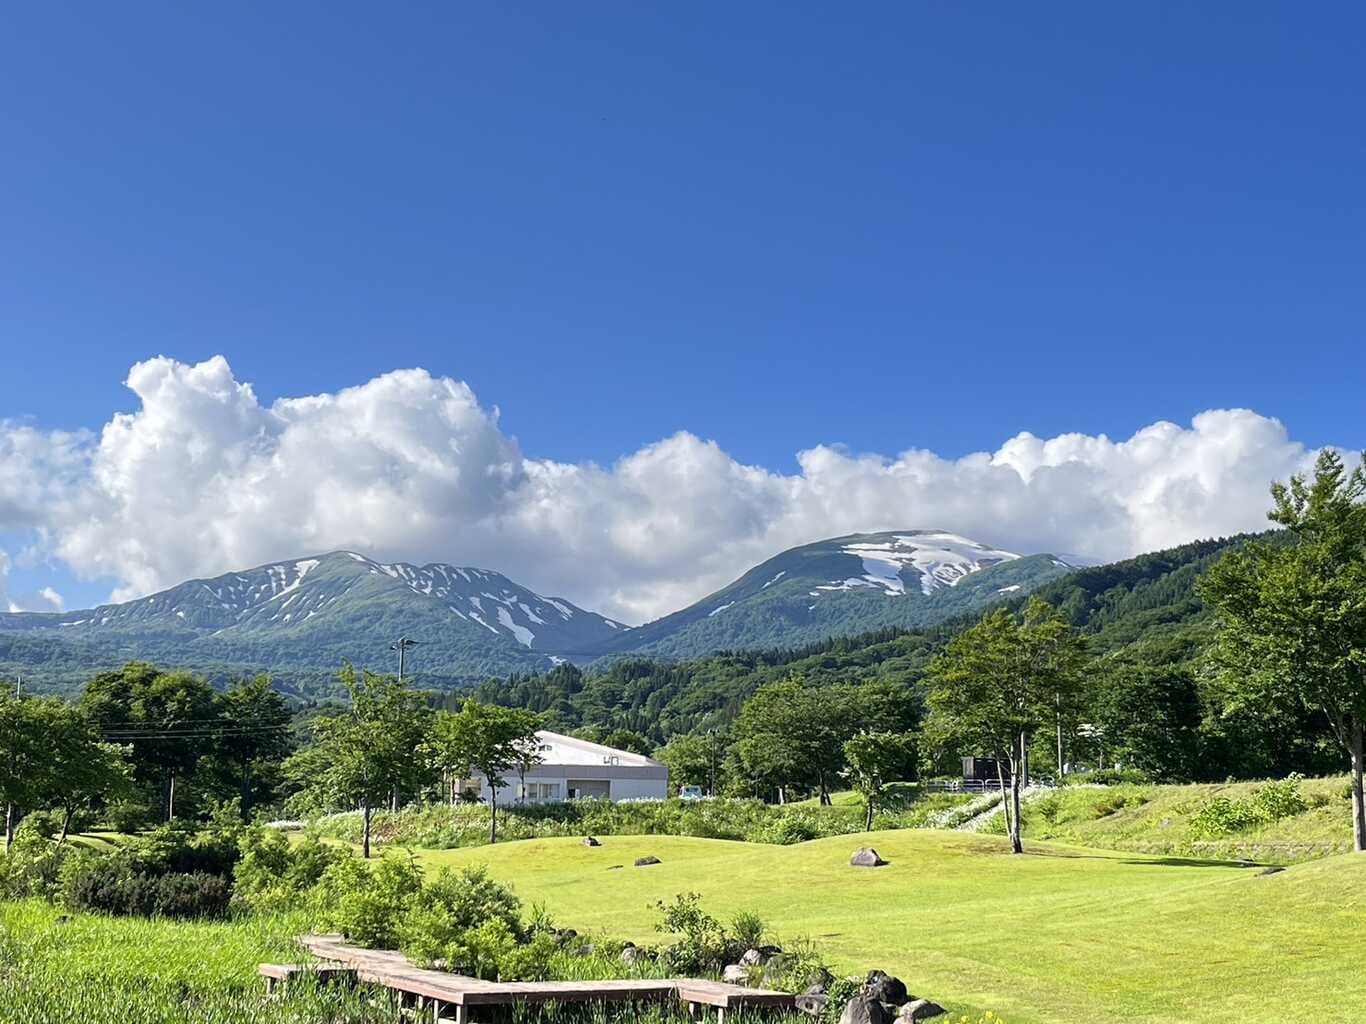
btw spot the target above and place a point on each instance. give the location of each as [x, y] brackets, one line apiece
[919, 1009]
[564, 936]
[735, 974]
[759, 955]
[616, 867]
[632, 954]
[590, 841]
[818, 982]
[884, 988]
[866, 857]
[646, 861]
[812, 1003]
[1271, 871]
[862, 1010]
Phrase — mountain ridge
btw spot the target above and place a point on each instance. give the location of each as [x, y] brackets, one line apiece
[300, 618]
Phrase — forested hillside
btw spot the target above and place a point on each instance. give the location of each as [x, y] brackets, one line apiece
[1142, 613]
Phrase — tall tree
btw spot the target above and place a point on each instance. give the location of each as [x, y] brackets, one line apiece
[20, 757]
[694, 759]
[361, 756]
[254, 738]
[1000, 681]
[1292, 617]
[490, 740]
[77, 768]
[168, 719]
[874, 760]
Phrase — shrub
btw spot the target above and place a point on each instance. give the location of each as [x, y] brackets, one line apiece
[190, 895]
[33, 867]
[1282, 799]
[273, 873]
[128, 816]
[748, 929]
[1221, 816]
[702, 943]
[452, 904]
[368, 905]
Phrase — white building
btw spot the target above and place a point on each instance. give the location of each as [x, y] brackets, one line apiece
[572, 769]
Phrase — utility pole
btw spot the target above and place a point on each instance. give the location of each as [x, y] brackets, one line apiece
[401, 645]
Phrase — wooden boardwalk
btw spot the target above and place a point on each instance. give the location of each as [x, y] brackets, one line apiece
[451, 997]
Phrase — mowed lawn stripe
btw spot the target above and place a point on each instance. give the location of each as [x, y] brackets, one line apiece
[1063, 934]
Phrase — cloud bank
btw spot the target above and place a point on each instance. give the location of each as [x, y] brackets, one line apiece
[202, 478]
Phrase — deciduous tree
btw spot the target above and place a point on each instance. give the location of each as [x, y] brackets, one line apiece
[1292, 617]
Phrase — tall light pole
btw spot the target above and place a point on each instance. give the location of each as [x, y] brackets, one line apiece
[401, 645]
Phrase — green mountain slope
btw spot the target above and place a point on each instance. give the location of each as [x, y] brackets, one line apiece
[905, 579]
[300, 619]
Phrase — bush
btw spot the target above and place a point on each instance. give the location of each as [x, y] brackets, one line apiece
[273, 874]
[1222, 816]
[702, 943]
[1282, 799]
[191, 895]
[33, 867]
[369, 904]
[128, 816]
[454, 903]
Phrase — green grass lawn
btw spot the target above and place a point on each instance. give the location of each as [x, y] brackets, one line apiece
[1063, 934]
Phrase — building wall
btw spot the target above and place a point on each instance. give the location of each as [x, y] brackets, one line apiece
[624, 783]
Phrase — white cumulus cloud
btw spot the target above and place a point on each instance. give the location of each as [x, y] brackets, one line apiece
[202, 478]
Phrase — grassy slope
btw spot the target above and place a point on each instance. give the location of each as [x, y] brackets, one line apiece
[1156, 819]
[1064, 935]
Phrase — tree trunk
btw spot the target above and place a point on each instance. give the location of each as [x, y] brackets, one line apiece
[868, 815]
[493, 815]
[66, 825]
[1016, 779]
[781, 799]
[170, 797]
[365, 829]
[1005, 802]
[1355, 745]
[246, 790]
[9, 826]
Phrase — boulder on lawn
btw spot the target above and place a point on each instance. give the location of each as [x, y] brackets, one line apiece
[735, 974]
[919, 1009]
[759, 955]
[812, 1003]
[866, 857]
[884, 988]
[590, 841]
[646, 861]
[862, 1010]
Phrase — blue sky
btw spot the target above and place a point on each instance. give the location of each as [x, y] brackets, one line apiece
[774, 225]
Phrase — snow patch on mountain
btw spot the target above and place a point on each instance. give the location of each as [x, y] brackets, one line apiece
[935, 559]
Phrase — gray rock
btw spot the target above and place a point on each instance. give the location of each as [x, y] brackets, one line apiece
[590, 841]
[866, 857]
[919, 1009]
[818, 982]
[632, 955]
[735, 974]
[812, 1003]
[564, 936]
[1271, 871]
[644, 861]
[861, 1010]
[884, 988]
[760, 955]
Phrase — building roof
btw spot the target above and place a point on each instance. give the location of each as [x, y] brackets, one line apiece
[560, 749]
